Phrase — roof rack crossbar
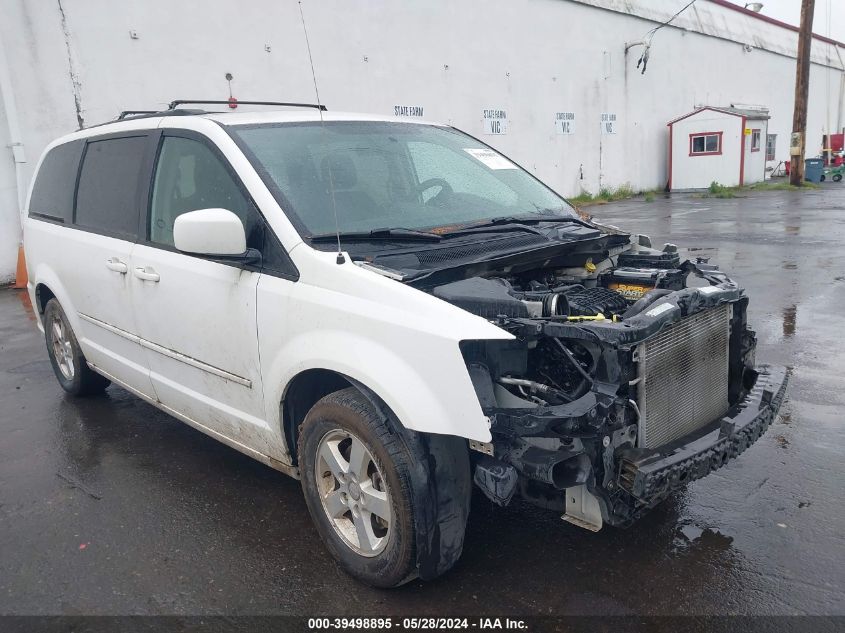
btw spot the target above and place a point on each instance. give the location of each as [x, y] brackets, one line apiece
[174, 104]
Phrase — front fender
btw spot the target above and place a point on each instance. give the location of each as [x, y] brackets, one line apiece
[398, 341]
[430, 393]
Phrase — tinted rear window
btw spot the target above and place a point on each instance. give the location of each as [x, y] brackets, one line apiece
[107, 198]
[52, 194]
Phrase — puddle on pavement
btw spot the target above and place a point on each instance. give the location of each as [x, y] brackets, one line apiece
[692, 537]
[26, 302]
[789, 320]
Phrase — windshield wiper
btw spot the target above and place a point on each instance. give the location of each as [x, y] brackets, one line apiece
[399, 233]
[511, 221]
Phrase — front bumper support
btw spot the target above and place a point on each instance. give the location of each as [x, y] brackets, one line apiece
[650, 475]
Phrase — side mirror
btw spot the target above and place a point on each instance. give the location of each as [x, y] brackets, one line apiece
[213, 232]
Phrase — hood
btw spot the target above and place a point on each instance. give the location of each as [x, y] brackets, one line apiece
[513, 248]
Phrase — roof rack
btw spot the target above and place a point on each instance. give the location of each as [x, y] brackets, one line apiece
[127, 113]
[174, 104]
[131, 115]
[173, 109]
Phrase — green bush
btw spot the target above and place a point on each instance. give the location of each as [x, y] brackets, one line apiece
[584, 196]
[623, 191]
[605, 194]
[718, 190]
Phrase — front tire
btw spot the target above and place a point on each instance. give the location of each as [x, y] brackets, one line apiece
[355, 477]
[419, 488]
[68, 361]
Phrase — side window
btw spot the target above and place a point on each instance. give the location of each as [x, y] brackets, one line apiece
[107, 198]
[755, 140]
[52, 194]
[435, 161]
[705, 144]
[188, 177]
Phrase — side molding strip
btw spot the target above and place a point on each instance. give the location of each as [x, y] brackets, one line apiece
[164, 351]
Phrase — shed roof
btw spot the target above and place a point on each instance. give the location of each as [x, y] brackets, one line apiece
[748, 113]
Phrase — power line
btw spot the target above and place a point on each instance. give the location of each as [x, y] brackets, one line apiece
[646, 41]
[669, 21]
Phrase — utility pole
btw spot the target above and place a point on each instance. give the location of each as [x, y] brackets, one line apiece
[802, 86]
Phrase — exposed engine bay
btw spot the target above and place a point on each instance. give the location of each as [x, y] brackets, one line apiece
[621, 384]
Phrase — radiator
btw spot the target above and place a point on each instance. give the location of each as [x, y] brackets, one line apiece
[683, 372]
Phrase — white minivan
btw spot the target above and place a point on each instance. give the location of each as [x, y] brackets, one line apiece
[393, 312]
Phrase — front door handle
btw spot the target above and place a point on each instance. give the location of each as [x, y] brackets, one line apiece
[147, 273]
[113, 263]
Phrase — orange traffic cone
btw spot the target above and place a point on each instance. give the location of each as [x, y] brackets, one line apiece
[20, 275]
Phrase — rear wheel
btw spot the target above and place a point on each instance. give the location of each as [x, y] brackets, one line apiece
[68, 361]
[837, 177]
[822, 177]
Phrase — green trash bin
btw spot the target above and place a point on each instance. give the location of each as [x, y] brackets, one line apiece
[813, 169]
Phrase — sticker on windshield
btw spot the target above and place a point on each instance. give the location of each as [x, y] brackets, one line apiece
[490, 158]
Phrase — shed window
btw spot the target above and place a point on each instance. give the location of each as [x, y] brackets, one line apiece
[705, 143]
[771, 141]
[755, 140]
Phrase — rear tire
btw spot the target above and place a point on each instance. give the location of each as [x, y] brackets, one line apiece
[406, 493]
[68, 361]
[822, 177]
[837, 177]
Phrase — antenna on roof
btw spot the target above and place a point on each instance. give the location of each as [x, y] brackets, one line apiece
[340, 258]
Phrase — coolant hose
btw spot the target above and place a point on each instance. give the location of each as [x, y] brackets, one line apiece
[646, 300]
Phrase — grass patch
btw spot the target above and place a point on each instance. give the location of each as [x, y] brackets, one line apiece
[582, 198]
[781, 186]
[718, 190]
[715, 190]
[608, 194]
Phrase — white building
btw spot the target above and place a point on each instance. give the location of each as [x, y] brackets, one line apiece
[554, 78]
[727, 146]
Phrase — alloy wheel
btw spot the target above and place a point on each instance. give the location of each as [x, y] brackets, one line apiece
[62, 348]
[353, 492]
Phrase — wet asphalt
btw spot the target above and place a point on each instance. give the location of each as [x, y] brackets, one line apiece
[108, 506]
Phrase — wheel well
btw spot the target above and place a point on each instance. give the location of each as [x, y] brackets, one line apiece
[302, 393]
[42, 295]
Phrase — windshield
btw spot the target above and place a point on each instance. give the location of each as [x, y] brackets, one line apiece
[389, 175]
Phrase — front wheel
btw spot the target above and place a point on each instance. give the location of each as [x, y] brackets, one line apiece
[837, 177]
[361, 477]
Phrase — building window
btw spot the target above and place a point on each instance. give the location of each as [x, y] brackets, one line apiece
[771, 141]
[755, 140]
[705, 143]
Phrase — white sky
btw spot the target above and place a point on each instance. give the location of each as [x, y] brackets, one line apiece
[790, 11]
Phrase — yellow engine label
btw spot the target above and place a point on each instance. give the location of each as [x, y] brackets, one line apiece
[630, 291]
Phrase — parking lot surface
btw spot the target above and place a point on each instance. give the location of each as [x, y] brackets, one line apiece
[108, 506]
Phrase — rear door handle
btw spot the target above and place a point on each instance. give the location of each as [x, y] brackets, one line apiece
[147, 273]
[113, 263]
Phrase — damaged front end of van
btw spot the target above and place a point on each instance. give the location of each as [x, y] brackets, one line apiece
[602, 405]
